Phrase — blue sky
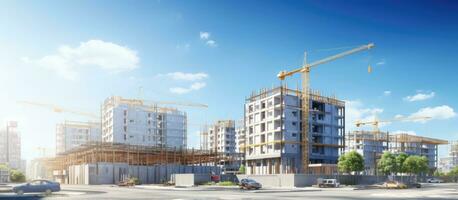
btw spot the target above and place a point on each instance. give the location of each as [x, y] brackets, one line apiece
[77, 53]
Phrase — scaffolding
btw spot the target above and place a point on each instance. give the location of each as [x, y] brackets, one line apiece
[134, 155]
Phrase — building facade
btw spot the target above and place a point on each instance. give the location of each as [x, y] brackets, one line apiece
[72, 134]
[131, 121]
[371, 145]
[273, 131]
[221, 137]
[10, 146]
[240, 140]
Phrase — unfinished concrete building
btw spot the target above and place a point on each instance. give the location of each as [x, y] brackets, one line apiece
[221, 138]
[371, 146]
[417, 145]
[273, 131]
[107, 163]
[72, 134]
[132, 121]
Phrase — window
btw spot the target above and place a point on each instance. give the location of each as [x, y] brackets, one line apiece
[294, 113]
[125, 112]
[125, 128]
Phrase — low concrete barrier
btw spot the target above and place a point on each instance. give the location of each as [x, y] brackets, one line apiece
[188, 180]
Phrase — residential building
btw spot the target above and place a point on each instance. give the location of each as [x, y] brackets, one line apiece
[446, 164]
[132, 121]
[72, 134]
[240, 138]
[273, 131]
[221, 137]
[4, 175]
[417, 145]
[371, 145]
[10, 145]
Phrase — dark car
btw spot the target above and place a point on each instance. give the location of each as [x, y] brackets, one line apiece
[37, 186]
[249, 184]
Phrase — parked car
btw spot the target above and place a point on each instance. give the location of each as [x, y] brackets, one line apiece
[45, 186]
[328, 183]
[249, 184]
[434, 180]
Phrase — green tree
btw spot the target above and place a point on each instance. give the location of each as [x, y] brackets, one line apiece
[400, 158]
[17, 176]
[242, 169]
[453, 172]
[351, 162]
[387, 163]
[416, 164]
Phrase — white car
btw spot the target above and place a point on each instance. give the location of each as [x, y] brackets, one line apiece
[434, 180]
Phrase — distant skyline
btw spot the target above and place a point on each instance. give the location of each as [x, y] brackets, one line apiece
[77, 53]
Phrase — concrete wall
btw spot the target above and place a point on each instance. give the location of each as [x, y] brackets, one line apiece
[112, 173]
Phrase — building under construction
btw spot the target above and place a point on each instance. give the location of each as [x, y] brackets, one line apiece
[108, 163]
[273, 132]
[372, 144]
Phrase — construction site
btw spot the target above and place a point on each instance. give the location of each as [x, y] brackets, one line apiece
[371, 145]
[283, 131]
[105, 163]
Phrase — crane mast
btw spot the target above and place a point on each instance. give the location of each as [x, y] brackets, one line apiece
[305, 96]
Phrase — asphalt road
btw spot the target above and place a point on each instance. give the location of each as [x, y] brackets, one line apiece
[92, 192]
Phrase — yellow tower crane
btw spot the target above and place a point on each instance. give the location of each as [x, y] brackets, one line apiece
[59, 109]
[375, 123]
[305, 72]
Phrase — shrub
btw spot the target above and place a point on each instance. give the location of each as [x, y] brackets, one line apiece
[17, 176]
[134, 180]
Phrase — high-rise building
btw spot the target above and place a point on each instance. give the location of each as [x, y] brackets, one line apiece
[131, 121]
[221, 137]
[72, 134]
[10, 146]
[273, 131]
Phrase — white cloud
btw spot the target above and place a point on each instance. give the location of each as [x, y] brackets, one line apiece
[211, 43]
[382, 62]
[401, 131]
[93, 53]
[419, 97]
[186, 76]
[204, 35]
[438, 112]
[193, 87]
[355, 110]
[387, 93]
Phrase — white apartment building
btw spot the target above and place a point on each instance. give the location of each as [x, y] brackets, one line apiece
[10, 146]
[240, 140]
[72, 134]
[221, 137]
[273, 131]
[131, 121]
